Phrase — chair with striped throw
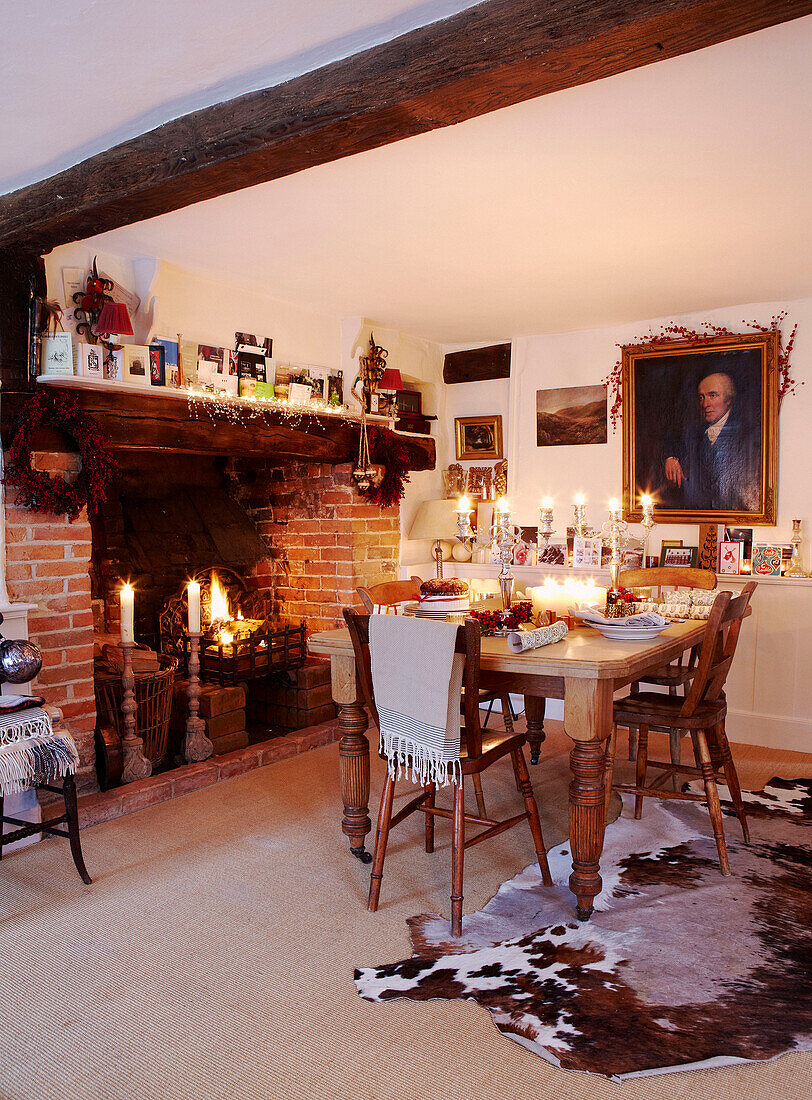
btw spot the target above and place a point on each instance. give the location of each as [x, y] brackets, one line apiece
[426, 659]
[34, 754]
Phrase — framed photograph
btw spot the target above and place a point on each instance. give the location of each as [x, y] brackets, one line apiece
[136, 364]
[570, 416]
[157, 365]
[730, 557]
[700, 429]
[632, 559]
[478, 437]
[683, 557]
[335, 388]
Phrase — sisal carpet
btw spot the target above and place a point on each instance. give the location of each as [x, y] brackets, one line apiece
[678, 968]
[212, 957]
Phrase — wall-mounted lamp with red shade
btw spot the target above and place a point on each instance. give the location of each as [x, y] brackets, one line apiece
[114, 321]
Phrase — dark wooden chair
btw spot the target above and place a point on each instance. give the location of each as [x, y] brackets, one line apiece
[478, 752]
[51, 826]
[701, 714]
[393, 592]
[679, 673]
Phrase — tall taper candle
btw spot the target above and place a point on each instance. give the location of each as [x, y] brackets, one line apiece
[127, 597]
[193, 597]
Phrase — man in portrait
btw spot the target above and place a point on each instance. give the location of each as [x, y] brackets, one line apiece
[714, 464]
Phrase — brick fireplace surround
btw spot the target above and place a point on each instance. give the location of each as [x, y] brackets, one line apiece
[322, 541]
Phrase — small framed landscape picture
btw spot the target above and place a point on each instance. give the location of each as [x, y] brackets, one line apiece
[681, 557]
[478, 437]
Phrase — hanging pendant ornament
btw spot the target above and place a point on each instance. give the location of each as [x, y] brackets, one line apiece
[373, 364]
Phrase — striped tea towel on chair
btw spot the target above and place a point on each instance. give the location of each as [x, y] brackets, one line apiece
[417, 681]
[32, 752]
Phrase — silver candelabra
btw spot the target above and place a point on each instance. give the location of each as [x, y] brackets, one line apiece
[502, 534]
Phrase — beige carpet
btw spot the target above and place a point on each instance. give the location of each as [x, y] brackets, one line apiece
[213, 956]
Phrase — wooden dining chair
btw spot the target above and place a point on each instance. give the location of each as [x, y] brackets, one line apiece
[394, 592]
[701, 714]
[478, 751]
[679, 673]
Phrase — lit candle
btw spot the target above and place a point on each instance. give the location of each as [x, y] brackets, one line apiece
[464, 505]
[580, 499]
[614, 508]
[127, 615]
[502, 510]
[547, 504]
[193, 597]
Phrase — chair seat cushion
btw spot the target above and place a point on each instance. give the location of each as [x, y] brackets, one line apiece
[649, 708]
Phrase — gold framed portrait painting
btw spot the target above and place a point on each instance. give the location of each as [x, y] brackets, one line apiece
[478, 437]
[700, 429]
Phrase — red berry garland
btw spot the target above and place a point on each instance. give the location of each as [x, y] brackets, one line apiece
[42, 492]
[787, 384]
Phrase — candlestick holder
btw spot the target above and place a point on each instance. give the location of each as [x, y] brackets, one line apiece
[648, 523]
[196, 746]
[502, 534]
[579, 511]
[135, 764]
[795, 568]
[545, 531]
[615, 530]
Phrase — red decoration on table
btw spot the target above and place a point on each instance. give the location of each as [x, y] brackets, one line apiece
[491, 621]
[786, 383]
[40, 491]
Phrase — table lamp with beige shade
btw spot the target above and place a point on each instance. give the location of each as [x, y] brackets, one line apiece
[436, 520]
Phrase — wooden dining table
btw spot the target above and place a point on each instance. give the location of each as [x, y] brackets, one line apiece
[585, 670]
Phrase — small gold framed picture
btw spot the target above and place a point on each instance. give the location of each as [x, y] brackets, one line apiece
[478, 436]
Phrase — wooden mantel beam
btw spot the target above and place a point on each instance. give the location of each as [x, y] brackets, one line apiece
[490, 56]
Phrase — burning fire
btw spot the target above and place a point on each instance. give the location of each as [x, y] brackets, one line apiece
[220, 609]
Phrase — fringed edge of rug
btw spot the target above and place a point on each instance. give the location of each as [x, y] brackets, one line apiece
[37, 760]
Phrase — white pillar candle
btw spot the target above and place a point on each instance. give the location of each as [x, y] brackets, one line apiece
[193, 597]
[127, 596]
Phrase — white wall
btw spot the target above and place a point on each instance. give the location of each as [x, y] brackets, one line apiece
[206, 310]
[420, 363]
[584, 358]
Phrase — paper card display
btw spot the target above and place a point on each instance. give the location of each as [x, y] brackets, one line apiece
[335, 388]
[730, 557]
[170, 359]
[57, 354]
[766, 560]
[89, 360]
[586, 552]
[264, 389]
[187, 366]
[114, 366]
[299, 393]
[157, 365]
[136, 364]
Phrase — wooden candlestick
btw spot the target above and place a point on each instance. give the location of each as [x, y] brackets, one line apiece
[136, 765]
[197, 745]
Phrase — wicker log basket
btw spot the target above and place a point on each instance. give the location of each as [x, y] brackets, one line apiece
[153, 697]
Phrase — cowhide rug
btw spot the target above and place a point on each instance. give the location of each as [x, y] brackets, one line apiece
[678, 967]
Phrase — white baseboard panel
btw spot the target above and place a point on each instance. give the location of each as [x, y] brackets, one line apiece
[770, 730]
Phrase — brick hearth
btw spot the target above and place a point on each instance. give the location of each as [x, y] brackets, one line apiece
[314, 540]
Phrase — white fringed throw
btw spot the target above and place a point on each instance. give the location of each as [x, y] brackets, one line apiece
[31, 752]
[417, 681]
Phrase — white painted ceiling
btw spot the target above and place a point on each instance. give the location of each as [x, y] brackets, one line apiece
[678, 187]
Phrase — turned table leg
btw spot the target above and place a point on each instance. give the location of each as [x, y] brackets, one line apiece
[534, 708]
[353, 756]
[588, 721]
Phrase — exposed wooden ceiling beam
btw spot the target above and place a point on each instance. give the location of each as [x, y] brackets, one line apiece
[496, 54]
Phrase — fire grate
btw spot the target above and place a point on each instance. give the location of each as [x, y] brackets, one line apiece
[239, 642]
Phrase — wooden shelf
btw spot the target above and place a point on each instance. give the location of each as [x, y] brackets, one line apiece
[135, 418]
